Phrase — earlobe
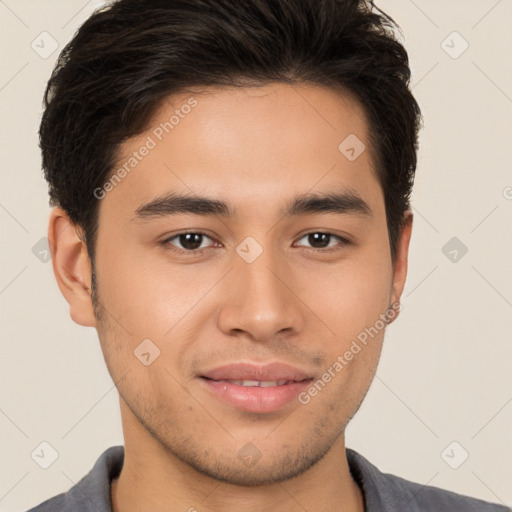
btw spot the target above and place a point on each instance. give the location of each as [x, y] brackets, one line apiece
[71, 266]
[400, 263]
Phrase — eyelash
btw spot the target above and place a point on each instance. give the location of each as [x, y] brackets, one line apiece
[168, 246]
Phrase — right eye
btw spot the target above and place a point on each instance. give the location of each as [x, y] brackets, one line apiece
[190, 241]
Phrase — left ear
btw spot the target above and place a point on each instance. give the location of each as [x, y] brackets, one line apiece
[400, 263]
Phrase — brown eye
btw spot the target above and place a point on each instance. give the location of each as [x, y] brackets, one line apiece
[320, 240]
[187, 242]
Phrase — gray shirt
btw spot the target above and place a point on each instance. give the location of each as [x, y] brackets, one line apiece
[382, 492]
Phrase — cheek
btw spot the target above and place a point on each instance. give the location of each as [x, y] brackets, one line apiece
[148, 295]
[354, 300]
[355, 294]
[353, 307]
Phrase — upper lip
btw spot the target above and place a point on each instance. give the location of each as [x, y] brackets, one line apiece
[250, 371]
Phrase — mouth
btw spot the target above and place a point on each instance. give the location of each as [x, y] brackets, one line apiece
[254, 388]
[258, 383]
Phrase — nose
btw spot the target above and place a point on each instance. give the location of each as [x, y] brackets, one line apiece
[260, 300]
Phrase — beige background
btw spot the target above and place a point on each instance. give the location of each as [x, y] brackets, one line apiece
[445, 371]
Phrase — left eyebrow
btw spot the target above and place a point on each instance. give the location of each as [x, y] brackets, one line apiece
[348, 202]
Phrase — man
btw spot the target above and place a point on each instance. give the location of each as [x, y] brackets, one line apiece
[231, 185]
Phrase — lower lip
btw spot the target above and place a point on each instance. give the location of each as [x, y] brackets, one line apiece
[255, 398]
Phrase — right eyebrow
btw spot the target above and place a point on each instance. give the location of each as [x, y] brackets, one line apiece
[175, 204]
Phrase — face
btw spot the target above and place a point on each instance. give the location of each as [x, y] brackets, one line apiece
[290, 269]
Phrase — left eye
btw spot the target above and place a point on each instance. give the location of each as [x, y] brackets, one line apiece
[322, 240]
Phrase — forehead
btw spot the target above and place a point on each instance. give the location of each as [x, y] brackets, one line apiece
[273, 117]
[249, 143]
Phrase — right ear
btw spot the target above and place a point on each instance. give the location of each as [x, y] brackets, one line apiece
[71, 266]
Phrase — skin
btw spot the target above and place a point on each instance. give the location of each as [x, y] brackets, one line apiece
[256, 149]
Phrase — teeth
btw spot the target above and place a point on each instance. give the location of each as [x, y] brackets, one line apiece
[248, 383]
[269, 383]
[258, 383]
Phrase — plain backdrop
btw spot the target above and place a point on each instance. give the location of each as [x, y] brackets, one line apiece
[443, 387]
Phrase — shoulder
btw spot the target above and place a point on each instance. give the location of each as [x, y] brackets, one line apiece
[387, 492]
[427, 498]
[92, 492]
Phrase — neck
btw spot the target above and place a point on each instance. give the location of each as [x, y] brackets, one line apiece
[152, 478]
